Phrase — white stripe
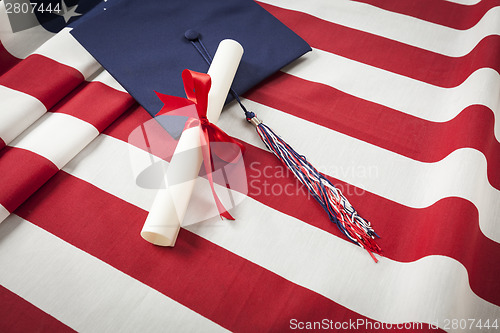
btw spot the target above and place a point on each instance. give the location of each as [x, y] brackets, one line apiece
[465, 2]
[17, 111]
[22, 43]
[388, 291]
[410, 30]
[462, 174]
[3, 213]
[105, 78]
[82, 291]
[399, 92]
[65, 49]
[57, 137]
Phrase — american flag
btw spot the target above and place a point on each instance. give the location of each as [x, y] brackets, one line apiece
[396, 104]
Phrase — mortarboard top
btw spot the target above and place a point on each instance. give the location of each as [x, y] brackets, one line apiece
[142, 43]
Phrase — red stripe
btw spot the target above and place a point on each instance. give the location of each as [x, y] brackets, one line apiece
[382, 126]
[18, 315]
[390, 55]
[95, 103]
[231, 291]
[445, 13]
[126, 123]
[441, 229]
[7, 60]
[2, 143]
[43, 78]
[22, 172]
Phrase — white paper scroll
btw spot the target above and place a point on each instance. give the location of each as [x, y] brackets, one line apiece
[169, 207]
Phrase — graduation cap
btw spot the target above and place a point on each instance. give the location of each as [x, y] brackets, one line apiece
[142, 44]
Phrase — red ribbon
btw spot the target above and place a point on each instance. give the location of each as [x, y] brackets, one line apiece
[197, 85]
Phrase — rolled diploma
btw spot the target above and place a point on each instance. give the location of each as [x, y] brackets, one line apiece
[169, 207]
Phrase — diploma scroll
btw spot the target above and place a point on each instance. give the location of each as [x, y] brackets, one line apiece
[169, 207]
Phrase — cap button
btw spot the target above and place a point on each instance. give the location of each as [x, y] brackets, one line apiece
[191, 34]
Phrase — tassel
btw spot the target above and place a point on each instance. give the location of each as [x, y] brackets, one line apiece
[336, 205]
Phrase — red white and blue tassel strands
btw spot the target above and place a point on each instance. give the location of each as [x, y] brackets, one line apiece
[339, 209]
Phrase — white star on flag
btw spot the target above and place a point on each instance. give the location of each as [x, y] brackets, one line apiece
[68, 13]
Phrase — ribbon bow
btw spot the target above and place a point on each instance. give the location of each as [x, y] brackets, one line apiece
[197, 85]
